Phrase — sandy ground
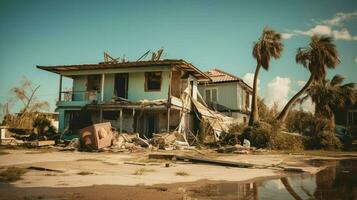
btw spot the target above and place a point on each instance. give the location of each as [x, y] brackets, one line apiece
[108, 171]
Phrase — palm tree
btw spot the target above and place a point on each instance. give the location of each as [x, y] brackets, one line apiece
[329, 95]
[269, 46]
[320, 55]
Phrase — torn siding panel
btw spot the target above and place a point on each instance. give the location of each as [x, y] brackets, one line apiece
[79, 86]
[108, 87]
[136, 91]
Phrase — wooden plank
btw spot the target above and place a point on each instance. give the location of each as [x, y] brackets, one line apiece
[45, 143]
[44, 169]
[214, 162]
[165, 156]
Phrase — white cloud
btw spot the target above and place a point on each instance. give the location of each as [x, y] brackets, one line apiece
[343, 35]
[317, 30]
[287, 35]
[278, 91]
[339, 18]
[325, 28]
[248, 78]
[320, 30]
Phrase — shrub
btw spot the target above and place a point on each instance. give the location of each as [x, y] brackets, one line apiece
[43, 127]
[232, 136]
[265, 135]
[328, 140]
[323, 140]
[12, 174]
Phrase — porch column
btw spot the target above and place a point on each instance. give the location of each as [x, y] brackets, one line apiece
[102, 89]
[60, 88]
[121, 120]
[168, 119]
[101, 115]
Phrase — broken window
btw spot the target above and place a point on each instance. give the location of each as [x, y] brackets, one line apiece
[208, 95]
[94, 82]
[211, 95]
[246, 99]
[121, 85]
[214, 95]
[352, 117]
[110, 115]
[152, 81]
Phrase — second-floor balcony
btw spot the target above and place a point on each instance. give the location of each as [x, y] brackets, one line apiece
[78, 98]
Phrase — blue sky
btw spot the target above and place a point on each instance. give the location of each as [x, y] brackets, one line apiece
[206, 33]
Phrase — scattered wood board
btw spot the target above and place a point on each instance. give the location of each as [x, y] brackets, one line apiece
[194, 159]
[44, 169]
[214, 162]
[165, 156]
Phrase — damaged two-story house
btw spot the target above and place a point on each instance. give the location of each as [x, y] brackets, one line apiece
[144, 97]
[227, 94]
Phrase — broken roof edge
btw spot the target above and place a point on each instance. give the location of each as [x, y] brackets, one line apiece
[169, 62]
[239, 80]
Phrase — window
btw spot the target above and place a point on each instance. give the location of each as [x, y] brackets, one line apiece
[211, 95]
[110, 115]
[208, 95]
[246, 99]
[152, 81]
[352, 117]
[94, 82]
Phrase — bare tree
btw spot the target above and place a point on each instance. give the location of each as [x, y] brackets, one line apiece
[26, 94]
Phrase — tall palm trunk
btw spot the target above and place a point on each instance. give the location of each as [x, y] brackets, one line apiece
[254, 116]
[331, 117]
[284, 113]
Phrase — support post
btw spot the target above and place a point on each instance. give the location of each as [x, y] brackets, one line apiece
[102, 89]
[121, 121]
[168, 119]
[101, 115]
[60, 88]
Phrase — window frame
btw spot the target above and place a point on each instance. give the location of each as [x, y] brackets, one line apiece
[211, 94]
[147, 82]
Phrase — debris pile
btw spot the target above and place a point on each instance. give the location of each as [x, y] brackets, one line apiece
[97, 136]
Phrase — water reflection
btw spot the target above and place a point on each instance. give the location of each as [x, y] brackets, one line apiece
[337, 181]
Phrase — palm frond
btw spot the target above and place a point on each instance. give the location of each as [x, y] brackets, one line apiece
[337, 80]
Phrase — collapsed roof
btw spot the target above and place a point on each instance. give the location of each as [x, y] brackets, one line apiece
[219, 76]
[181, 64]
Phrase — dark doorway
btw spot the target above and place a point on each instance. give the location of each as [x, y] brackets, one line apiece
[121, 85]
[191, 87]
[151, 125]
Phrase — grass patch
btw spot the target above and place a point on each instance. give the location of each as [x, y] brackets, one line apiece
[142, 171]
[182, 173]
[84, 173]
[12, 174]
[150, 160]
[109, 163]
[50, 174]
[158, 188]
[34, 197]
[4, 153]
[39, 151]
[89, 160]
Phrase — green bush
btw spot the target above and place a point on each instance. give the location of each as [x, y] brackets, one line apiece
[43, 127]
[325, 139]
[265, 135]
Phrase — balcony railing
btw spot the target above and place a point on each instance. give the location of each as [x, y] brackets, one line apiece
[93, 95]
